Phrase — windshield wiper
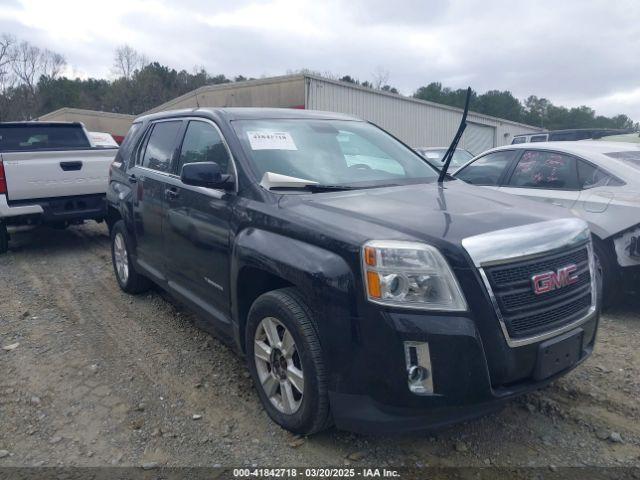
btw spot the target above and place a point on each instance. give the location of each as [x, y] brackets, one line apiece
[317, 187]
[454, 144]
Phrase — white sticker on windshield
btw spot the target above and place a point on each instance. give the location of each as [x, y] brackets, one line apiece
[271, 141]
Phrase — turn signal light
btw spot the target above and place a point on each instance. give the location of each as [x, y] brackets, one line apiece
[373, 284]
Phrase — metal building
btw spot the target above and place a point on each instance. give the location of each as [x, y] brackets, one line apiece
[416, 122]
[117, 124]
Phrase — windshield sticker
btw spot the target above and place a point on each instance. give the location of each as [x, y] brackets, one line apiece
[271, 141]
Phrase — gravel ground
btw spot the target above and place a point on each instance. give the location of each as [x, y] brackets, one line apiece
[91, 376]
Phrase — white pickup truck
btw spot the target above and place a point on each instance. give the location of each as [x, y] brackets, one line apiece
[50, 173]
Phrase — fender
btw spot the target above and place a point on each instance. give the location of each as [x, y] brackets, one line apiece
[325, 279]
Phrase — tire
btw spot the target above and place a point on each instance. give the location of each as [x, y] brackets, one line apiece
[4, 239]
[129, 280]
[305, 412]
[608, 274]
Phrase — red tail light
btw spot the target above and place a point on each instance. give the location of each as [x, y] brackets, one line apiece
[3, 180]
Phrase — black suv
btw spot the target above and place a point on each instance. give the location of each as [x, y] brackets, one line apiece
[361, 291]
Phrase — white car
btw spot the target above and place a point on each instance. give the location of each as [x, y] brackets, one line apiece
[598, 181]
[435, 155]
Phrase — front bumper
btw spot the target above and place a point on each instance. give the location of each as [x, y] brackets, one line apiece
[374, 396]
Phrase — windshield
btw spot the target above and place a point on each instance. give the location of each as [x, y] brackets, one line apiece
[330, 152]
[631, 158]
[435, 156]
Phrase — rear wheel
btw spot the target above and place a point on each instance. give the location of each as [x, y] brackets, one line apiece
[607, 274]
[129, 280]
[285, 360]
[4, 238]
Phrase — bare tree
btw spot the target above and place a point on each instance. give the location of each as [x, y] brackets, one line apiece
[380, 78]
[26, 64]
[7, 43]
[127, 60]
[52, 64]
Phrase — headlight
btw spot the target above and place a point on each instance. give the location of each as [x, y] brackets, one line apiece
[410, 275]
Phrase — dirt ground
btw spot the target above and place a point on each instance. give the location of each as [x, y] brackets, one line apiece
[103, 378]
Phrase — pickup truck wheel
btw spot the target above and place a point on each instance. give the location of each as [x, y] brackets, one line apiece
[129, 280]
[607, 275]
[285, 360]
[4, 238]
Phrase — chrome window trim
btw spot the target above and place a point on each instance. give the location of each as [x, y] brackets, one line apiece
[527, 242]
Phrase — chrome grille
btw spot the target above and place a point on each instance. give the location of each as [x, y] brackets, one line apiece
[526, 314]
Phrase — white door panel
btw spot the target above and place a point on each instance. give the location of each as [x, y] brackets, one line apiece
[560, 198]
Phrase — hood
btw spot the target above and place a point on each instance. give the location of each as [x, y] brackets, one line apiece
[442, 216]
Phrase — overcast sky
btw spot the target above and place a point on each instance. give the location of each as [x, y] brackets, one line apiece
[571, 51]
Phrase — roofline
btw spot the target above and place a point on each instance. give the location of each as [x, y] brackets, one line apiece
[303, 76]
[18, 123]
[417, 100]
[224, 86]
[83, 111]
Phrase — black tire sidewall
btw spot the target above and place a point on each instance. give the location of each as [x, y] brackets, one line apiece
[609, 290]
[4, 238]
[303, 420]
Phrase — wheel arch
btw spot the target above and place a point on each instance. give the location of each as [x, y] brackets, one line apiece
[263, 261]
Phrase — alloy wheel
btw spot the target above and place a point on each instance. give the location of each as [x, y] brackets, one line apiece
[278, 365]
[120, 257]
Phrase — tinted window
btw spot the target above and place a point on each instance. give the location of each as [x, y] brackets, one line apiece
[590, 176]
[538, 138]
[161, 145]
[518, 140]
[486, 170]
[537, 169]
[127, 144]
[435, 156]
[42, 137]
[203, 143]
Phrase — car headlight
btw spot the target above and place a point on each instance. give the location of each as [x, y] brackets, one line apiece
[410, 275]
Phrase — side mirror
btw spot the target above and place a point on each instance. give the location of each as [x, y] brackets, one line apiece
[205, 174]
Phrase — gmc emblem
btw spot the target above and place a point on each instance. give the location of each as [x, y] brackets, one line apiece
[548, 281]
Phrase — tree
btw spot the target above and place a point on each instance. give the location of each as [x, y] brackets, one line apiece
[380, 78]
[500, 104]
[126, 61]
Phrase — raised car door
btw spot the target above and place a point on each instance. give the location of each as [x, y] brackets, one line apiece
[148, 178]
[197, 233]
[545, 176]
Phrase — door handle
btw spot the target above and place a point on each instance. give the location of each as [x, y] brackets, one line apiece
[172, 193]
[71, 166]
[133, 178]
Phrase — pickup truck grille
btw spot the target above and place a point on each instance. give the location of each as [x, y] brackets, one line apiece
[525, 313]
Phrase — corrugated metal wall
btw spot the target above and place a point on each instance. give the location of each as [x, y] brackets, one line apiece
[286, 91]
[420, 124]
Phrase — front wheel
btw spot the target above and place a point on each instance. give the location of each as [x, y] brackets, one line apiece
[285, 360]
[129, 280]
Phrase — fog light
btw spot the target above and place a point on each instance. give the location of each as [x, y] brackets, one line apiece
[419, 374]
